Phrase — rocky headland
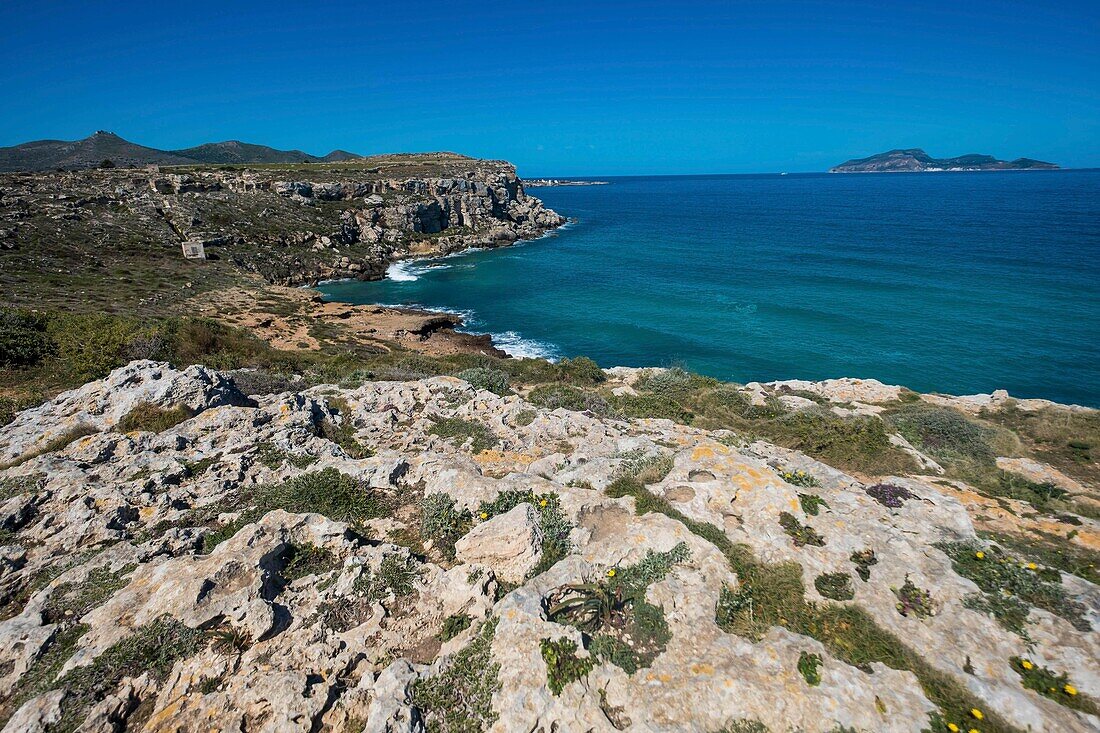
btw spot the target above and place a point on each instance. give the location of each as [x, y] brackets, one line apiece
[555, 548]
[116, 238]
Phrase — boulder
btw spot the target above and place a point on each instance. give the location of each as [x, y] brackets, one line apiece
[510, 543]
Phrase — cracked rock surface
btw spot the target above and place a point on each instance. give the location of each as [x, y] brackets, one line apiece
[239, 570]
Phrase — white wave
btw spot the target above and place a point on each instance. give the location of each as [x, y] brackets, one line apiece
[411, 270]
[523, 348]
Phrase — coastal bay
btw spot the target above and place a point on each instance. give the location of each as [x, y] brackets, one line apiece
[963, 283]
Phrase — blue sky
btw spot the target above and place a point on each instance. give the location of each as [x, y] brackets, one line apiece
[565, 88]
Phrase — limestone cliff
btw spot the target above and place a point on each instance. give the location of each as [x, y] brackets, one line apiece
[402, 556]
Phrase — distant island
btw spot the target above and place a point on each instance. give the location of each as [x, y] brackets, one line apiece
[544, 182]
[106, 149]
[916, 160]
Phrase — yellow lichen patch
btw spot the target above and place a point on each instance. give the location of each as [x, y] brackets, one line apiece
[702, 668]
[991, 514]
[491, 459]
[146, 511]
[702, 452]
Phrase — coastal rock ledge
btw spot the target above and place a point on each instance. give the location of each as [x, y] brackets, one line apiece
[408, 556]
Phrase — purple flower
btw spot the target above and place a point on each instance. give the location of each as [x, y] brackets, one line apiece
[889, 495]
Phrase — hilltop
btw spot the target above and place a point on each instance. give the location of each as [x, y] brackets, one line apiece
[915, 160]
[94, 150]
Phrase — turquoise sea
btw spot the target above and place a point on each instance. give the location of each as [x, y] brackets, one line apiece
[950, 282]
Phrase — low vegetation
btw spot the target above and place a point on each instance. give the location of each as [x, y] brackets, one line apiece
[459, 699]
[836, 586]
[998, 573]
[443, 523]
[773, 595]
[1050, 684]
[479, 437]
[555, 527]
[328, 492]
[153, 418]
[562, 663]
[618, 624]
[809, 666]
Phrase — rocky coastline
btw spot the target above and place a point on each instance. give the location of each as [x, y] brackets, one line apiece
[185, 549]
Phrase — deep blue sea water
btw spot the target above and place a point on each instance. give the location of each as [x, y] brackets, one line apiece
[952, 282]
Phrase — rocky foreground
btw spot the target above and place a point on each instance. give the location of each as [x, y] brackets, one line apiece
[404, 556]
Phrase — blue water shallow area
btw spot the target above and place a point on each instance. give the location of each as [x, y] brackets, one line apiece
[950, 282]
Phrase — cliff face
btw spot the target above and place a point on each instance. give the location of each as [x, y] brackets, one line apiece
[402, 555]
[290, 224]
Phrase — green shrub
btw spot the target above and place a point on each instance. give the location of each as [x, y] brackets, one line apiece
[307, 559]
[650, 406]
[442, 522]
[454, 625]
[798, 478]
[90, 346]
[812, 503]
[274, 458]
[581, 370]
[863, 560]
[837, 586]
[525, 418]
[153, 418]
[396, 576]
[23, 339]
[480, 437]
[493, 380]
[553, 396]
[562, 663]
[943, 432]
[914, 601]
[801, 534]
[809, 666]
[459, 699]
[858, 442]
[1055, 686]
[674, 382]
[329, 492]
[997, 573]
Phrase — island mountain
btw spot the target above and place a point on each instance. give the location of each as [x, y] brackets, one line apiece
[916, 160]
[103, 146]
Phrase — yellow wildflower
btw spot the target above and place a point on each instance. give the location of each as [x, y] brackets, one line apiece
[1026, 664]
[1069, 690]
[1032, 566]
[979, 554]
[977, 713]
[543, 502]
[972, 730]
[611, 573]
[484, 515]
[953, 728]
